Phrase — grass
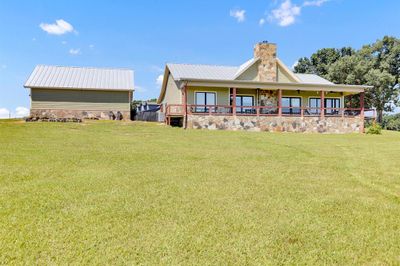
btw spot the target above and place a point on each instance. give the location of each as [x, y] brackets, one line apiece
[137, 193]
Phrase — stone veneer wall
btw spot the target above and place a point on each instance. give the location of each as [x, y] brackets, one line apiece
[277, 124]
[267, 70]
[101, 115]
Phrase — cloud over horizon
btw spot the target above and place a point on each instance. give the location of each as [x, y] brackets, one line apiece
[19, 112]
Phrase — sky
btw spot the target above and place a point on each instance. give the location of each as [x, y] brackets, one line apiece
[144, 35]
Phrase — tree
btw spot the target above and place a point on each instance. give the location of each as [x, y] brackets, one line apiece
[391, 122]
[383, 95]
[304, 65]
[376, 64]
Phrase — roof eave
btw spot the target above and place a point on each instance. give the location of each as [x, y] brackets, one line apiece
[294, 86]
[73, 88]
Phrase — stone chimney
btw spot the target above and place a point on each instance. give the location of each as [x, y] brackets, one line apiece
[267, 68]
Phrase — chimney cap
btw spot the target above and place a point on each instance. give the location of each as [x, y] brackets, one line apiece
[266, 42]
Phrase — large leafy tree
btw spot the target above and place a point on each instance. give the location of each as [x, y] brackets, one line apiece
[377, 64]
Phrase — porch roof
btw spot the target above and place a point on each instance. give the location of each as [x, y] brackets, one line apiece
[248, 84]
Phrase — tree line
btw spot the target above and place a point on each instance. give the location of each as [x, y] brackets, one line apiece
[376, 64]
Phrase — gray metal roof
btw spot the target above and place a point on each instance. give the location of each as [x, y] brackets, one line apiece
[312, 79]
[62, 77]
[185, 71]
[211, 72]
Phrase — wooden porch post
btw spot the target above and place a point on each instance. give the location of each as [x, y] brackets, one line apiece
[279, 102]
[234, 101]
[362, 96]
[184, 106]
[322, 104]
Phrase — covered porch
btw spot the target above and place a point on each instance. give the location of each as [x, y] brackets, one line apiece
[273, 100]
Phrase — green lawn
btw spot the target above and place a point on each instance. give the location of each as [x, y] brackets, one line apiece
[137, 193]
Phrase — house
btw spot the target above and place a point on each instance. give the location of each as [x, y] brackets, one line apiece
[263, 94]
[80, 92]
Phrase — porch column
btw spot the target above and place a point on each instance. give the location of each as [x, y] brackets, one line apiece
[184, 100]
[234, 101]
[279, 102]
[322, 104]
[362, 96]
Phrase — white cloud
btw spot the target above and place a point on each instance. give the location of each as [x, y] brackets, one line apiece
[59, 28]
[75, 51]
[285, 14]
[4, 113]
[160, 79]
[261, 22]
[64, 42]
[91, 46]
[3, 66]
[295, 64]
[21, 112]
[238, 14]
[33, 39]
[315, 3]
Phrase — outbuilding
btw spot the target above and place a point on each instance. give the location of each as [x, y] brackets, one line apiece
[80, 92]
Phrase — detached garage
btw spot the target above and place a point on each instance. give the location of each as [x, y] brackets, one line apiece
[80, 92]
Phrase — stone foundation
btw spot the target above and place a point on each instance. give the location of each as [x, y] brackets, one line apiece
[100, 115]
[278, 124]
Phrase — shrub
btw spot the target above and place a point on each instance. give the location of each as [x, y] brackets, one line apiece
[391, 122]
[374, 129]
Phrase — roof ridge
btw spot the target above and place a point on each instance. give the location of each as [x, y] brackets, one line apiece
[87, 67]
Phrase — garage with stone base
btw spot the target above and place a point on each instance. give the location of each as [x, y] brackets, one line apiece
[80, 92]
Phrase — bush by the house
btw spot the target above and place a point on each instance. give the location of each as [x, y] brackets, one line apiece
[375, 128]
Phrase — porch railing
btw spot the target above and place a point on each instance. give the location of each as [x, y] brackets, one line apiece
[226, 110]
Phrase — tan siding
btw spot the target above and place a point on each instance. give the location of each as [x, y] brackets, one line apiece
[173, 95]
[80, 100]
[283, 76]
[222, 94]
[250, 73]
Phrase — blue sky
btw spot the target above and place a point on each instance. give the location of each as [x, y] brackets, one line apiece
[144, 35]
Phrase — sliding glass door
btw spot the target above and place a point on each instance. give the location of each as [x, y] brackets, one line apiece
[291, 105]
[242, 102]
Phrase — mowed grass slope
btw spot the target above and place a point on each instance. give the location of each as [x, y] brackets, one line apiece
[137, 193]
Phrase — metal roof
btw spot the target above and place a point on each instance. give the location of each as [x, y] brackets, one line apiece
[312, 79]
[62, 77]
[185, 71]
[211, 72]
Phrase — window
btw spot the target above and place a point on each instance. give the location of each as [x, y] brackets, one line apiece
[315, 105]
[292, 104]
[242, 102]
[204, 98]
[329, 103]
[332, 103]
